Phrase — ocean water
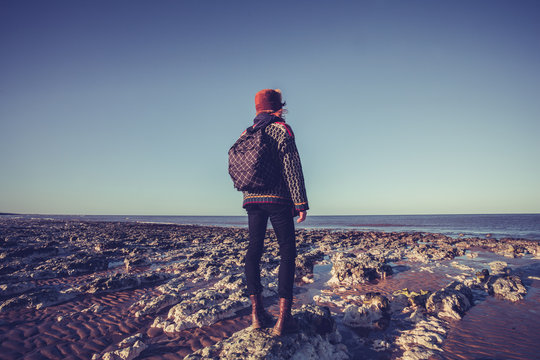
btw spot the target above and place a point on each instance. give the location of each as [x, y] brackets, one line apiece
[525, 226]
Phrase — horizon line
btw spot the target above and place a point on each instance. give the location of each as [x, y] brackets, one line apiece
[163, 215]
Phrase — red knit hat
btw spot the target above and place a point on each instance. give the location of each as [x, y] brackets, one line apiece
[268, 99]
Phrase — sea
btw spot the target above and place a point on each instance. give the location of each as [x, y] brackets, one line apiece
[523, 226]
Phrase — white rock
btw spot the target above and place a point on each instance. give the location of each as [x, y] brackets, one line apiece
[461, 266]
[422, 341]
[207, 306]
[361, 316]
[499, 267]
[380, 345]
[128, 349]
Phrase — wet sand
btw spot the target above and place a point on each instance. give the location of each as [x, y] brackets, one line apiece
[89, 324]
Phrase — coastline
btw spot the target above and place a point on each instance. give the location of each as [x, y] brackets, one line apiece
[524, 226]
[80, 288]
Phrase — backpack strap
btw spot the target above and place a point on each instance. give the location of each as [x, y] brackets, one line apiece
[252, 129]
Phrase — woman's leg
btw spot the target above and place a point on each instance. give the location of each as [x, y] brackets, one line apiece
[257, 221]
[282, 220]
[283, 224]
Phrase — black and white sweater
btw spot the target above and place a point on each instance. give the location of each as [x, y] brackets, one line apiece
[290, 188]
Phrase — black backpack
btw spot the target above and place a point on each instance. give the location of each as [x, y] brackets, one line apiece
[252, 166]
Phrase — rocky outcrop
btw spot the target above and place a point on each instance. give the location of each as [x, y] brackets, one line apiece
[119, 282]
[508, 287]
[351, 269]
[128, 349]
[372, 314]
[73, 265]
[451, 302]
[206, 306]
[305, 263]
[38, 298]
[424, 341]
[427, 252]
[317, 338]
[513, 248]
[30, 253]
[500, 284]
[499, 268]
[482, 276]
[415, 299]
[172, 292]
[14, 289]
[429, 324]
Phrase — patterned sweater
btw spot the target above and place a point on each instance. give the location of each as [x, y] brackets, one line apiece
[290, 188]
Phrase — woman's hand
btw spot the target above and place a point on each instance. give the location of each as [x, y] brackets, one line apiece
[301, 216]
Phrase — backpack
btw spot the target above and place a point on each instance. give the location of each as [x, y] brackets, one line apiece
[252, 166]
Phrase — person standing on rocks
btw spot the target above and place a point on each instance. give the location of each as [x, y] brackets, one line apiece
[279, 203]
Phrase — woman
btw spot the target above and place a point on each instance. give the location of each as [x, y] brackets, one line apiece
[280, 203]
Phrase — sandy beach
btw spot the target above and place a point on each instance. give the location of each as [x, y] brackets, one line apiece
[93, 290]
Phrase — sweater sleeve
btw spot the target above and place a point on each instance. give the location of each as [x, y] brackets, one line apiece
[292, 171]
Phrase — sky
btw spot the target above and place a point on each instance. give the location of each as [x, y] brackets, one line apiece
[398, 107]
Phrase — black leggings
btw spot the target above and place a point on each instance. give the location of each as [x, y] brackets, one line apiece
[281, 217]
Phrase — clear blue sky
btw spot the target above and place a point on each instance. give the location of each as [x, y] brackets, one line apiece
[399, 107]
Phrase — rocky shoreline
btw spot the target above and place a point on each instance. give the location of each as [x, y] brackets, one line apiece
[111, 290]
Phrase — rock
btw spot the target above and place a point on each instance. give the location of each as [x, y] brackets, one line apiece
[451, 301]
[11, 290]
[535, 250]
[430, 252]
[423, 341]
[127, 349]
[156, 304]
[387, 254]
[377, 300]
[460, 266]
[38, 298]
[44, 274]
[87, 264]
[333, 299]
[483, 275]
[111, 283]
[31, 253]
[416, 299]
[317, 338]
[418, 314]
[510, 251]
[499, 268]
[305, 263]
[373, 314]
[350, 269]
[173, 286]
[380, 345]
[207, 306]
[508, 287]
[119, 282]
[95, 308]
[512, 248]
